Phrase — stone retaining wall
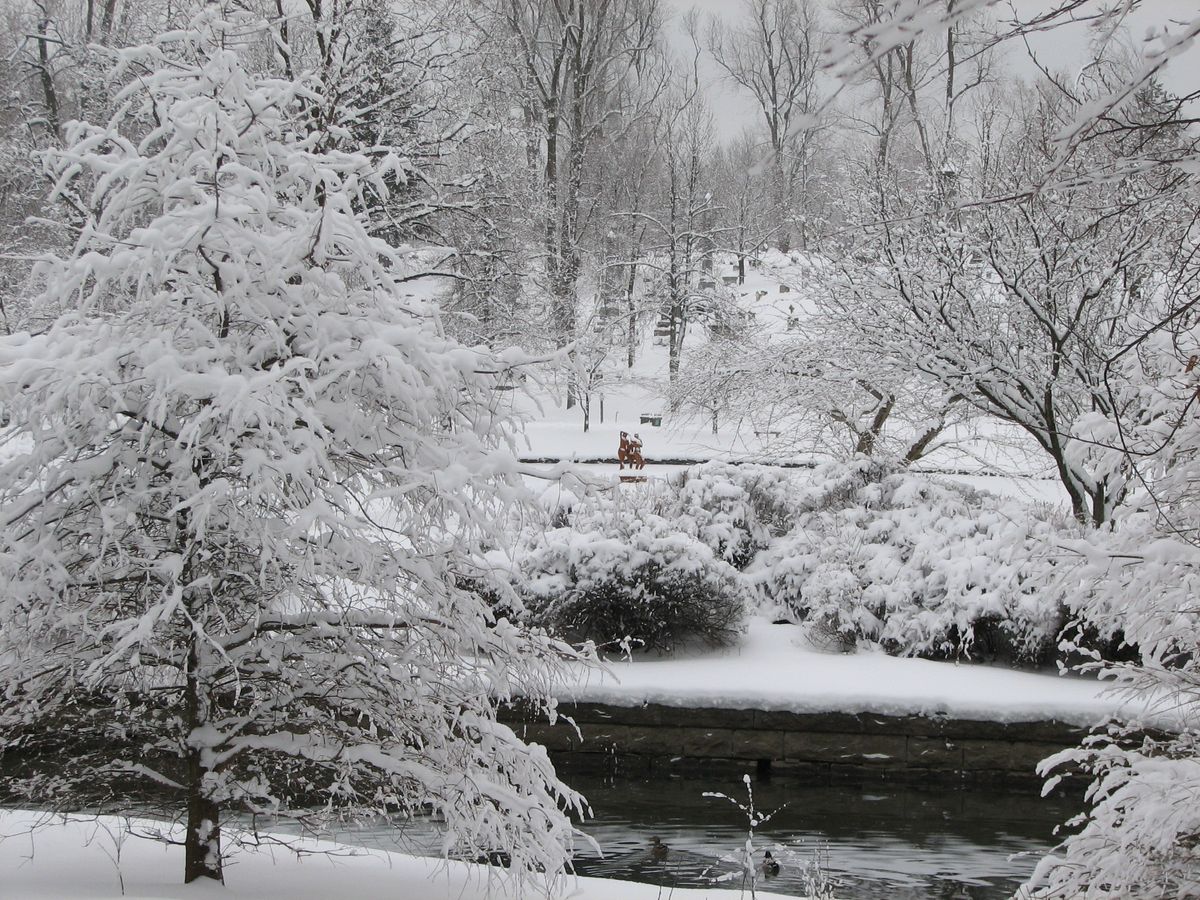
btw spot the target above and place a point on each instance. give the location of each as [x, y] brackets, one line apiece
[669, 738]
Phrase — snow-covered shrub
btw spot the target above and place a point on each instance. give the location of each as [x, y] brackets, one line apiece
[840, 484]
[921, 567]
[646, 580]
[733, 509]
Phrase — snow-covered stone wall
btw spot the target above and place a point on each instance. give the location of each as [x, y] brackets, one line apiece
[663, 738]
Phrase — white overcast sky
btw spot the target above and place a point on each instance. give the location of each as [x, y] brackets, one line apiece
[1064, 48]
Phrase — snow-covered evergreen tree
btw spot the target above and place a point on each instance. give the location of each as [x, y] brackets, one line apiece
[246, 478]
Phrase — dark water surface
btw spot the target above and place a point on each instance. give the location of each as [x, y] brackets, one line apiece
[879, 841]
[876, 840]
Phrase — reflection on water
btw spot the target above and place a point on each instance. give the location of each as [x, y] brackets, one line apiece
[896, 842]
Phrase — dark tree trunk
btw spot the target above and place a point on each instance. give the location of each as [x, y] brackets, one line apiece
[569, 228]
[741, 249]
[202, 845]
[1053, 442]
[550, 186]
[631, 309]
[49, 96]
[678, 329]
[202, 842]
[868, 438]
[110, 14]
[921, 445]
[284, 46]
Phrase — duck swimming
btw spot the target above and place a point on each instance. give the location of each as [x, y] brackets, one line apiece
[658, 850]
[769, 864]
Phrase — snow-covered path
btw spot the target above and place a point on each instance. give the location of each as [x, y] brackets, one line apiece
[773, 667]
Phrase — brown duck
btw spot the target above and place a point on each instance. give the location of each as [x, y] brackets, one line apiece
[658, 850]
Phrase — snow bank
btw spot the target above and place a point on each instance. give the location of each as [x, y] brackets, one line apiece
[93, 858]
[773, 667]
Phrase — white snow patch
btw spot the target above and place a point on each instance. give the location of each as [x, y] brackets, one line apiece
[773, 667]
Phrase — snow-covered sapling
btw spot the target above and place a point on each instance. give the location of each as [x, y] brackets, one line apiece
[745, 858]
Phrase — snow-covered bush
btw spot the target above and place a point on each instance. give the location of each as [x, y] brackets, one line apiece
[921, 567]
[840, 484]
[735, 510]
[645, 580]
[857, 549]
[657, 563]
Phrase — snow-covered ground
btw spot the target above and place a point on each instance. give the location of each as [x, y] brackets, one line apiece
[773, 667]
[87, 858]
[1048, 491]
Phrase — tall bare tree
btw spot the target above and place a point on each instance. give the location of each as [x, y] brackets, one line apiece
[579, 66]
[771, 51]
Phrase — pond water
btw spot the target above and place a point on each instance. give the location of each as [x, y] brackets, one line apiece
[874, 840]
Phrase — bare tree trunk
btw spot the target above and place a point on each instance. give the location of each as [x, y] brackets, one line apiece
[921, 445]
[558, 250]
[49, 95]
[910, 90]
[110, 15]
[869, 438]
[675, 312]
[550, 187]
[741, 246]
[678, 315]
[631, 309]
[284, 47]
[569, 226]
[782, 204]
